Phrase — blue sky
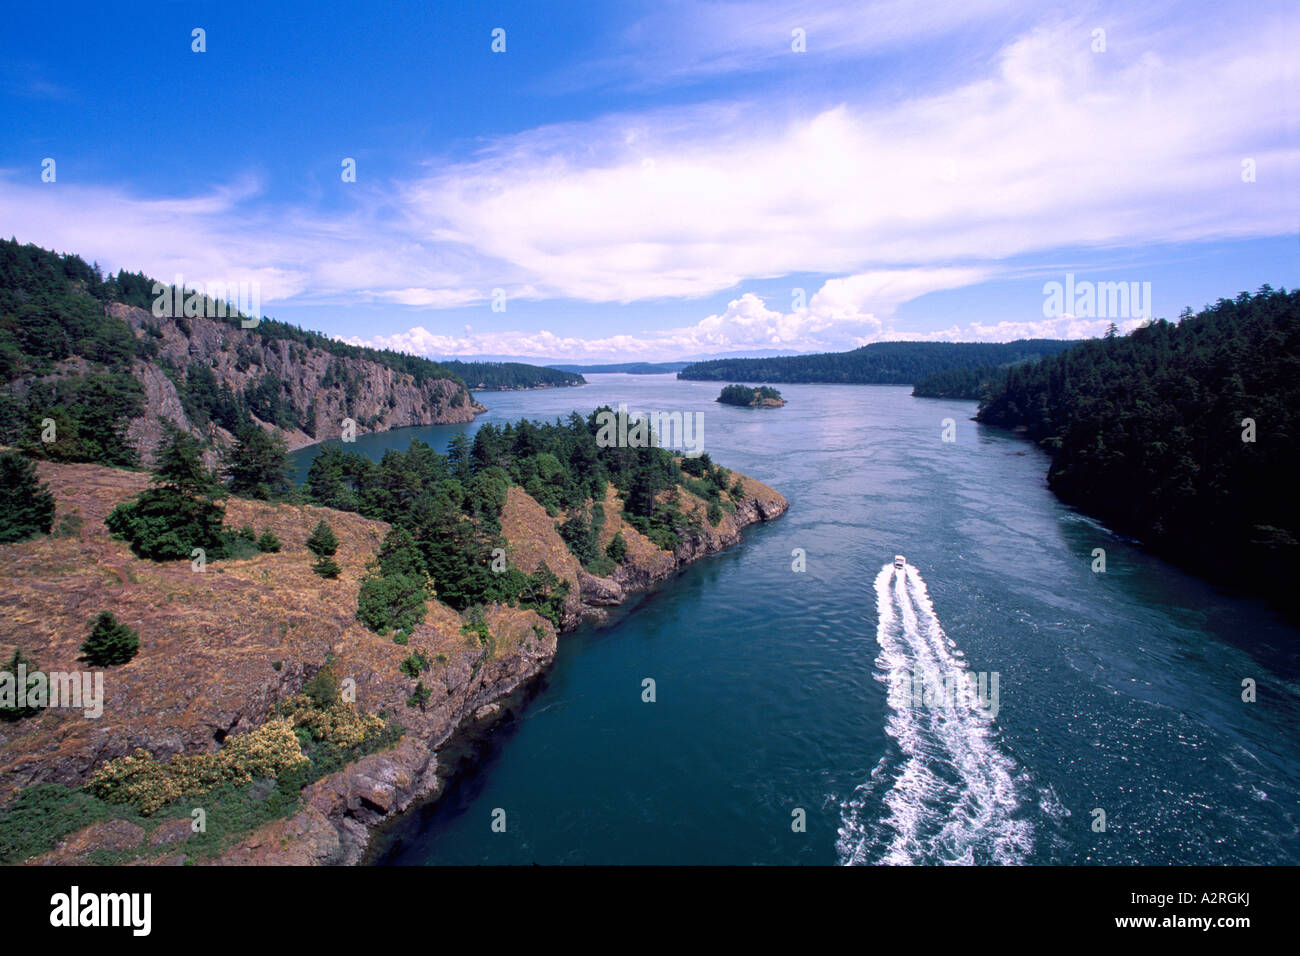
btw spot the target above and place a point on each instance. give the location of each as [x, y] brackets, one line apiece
[662, 180]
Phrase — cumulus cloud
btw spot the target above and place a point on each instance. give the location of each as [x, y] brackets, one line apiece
[844, 313]
[1044, 146]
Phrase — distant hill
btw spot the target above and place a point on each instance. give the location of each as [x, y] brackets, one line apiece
[881, 363]
[85, 351]
[506, 376]
[627, 368]
[964, 383]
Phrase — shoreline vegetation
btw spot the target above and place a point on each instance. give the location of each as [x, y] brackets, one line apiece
[409, 598]
[85, 351]
[881, 363]
[1183, 435]
[744, 396]
[324, 641]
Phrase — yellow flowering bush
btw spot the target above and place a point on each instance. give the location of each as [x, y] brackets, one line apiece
[137, 779]
[148, 784]
[339, 724]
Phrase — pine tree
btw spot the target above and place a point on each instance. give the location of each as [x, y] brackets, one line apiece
[616, 550]
[179, 466]
[323, 543]
[177, 514]
[257, 465]
[26, 505]
[110, 643]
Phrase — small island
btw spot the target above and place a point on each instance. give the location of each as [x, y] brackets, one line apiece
[760, 397]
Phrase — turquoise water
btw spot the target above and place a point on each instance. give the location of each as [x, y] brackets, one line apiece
[1119, 691]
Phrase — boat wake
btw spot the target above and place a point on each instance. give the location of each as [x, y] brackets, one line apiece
[951, 794]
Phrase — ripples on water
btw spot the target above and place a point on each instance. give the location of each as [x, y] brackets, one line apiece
[952, 795]
[1118, 690]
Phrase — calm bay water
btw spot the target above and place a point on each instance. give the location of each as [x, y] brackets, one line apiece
[1118, 691]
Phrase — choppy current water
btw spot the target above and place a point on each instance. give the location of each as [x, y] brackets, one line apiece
[780, 691]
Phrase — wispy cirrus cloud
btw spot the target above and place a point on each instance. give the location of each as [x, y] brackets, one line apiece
[1050, 146]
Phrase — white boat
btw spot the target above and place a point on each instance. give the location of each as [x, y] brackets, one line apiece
[899, 561]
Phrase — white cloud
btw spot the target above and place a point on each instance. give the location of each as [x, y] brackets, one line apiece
[842, 314]
[679, 42]
[1052, 147]
[1057, 147]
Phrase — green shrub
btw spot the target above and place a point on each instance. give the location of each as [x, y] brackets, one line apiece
[616, 550]
[69, 525]
[392, 602]
[327, 567]
[110, 643]
[26, 505]
[268, 543]
[11, 714]
[415, 665]
[420, 697]
[163, 526]
[323, 688]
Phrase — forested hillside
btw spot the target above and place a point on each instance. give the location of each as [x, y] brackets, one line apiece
[627, 368]
[881, 363]
[506, 376]
[1186, 435]
[84, 351]
[967, 383]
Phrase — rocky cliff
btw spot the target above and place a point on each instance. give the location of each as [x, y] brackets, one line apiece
[219, 649]
[316, 391]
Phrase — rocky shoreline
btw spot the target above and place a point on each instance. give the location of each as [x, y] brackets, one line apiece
[341, 813]
[220, 650]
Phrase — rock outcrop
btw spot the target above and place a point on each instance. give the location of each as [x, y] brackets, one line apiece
[220, 648]
[319, 389]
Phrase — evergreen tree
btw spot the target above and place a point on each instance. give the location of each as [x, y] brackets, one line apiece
[179, 467]
[257, 465]
[323, 543]
[26, 505]
[110, 643]
[616, 550]
[177, 514]
[12, 714]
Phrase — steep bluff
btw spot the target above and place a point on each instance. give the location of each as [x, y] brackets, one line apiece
[313, 390]
[220, 649]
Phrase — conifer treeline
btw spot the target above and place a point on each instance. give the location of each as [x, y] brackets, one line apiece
[881, 363]
[1149, 432]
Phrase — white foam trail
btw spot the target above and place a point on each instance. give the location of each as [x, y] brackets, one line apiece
[954, 794]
